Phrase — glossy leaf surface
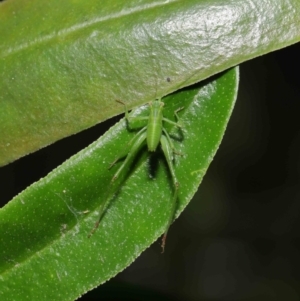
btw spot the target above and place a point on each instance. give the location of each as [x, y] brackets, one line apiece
[63, 63]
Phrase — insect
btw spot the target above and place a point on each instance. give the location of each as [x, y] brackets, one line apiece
[152, 134]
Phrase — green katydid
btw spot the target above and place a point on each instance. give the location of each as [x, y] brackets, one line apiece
[152, 134]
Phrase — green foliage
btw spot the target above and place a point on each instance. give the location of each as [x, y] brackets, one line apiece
[62, 65]
[44, 230]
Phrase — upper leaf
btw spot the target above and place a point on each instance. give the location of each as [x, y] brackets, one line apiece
[63, 63]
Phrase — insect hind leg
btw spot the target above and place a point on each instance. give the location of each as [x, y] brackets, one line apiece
[168, 152]
[125, 152]
[139, 142]
[171, 143]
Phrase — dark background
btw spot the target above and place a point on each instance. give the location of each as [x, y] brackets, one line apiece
[239, 237]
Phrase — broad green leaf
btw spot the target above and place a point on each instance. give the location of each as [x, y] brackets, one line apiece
[63, 63]
[44, 230]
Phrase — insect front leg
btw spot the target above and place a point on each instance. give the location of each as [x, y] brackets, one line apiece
[131, 119]
[139, 142]
[126, 110]
[168, 152]
[178, 120]
[177, 117]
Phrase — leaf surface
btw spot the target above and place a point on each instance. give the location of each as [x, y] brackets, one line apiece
[44, 230]
[63, 63]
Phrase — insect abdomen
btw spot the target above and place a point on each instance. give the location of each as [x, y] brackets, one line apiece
[153, 136]
[154, 127]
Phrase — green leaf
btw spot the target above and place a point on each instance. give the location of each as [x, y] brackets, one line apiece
[44, 230]
[63, 63]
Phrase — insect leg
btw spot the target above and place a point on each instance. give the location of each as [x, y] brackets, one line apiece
[126, 110]
[130, 118]
[176, 111]
[171, 122]
[139, 142]
[171, 143]
[125, 152]
[168, 152]
[178, 123]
